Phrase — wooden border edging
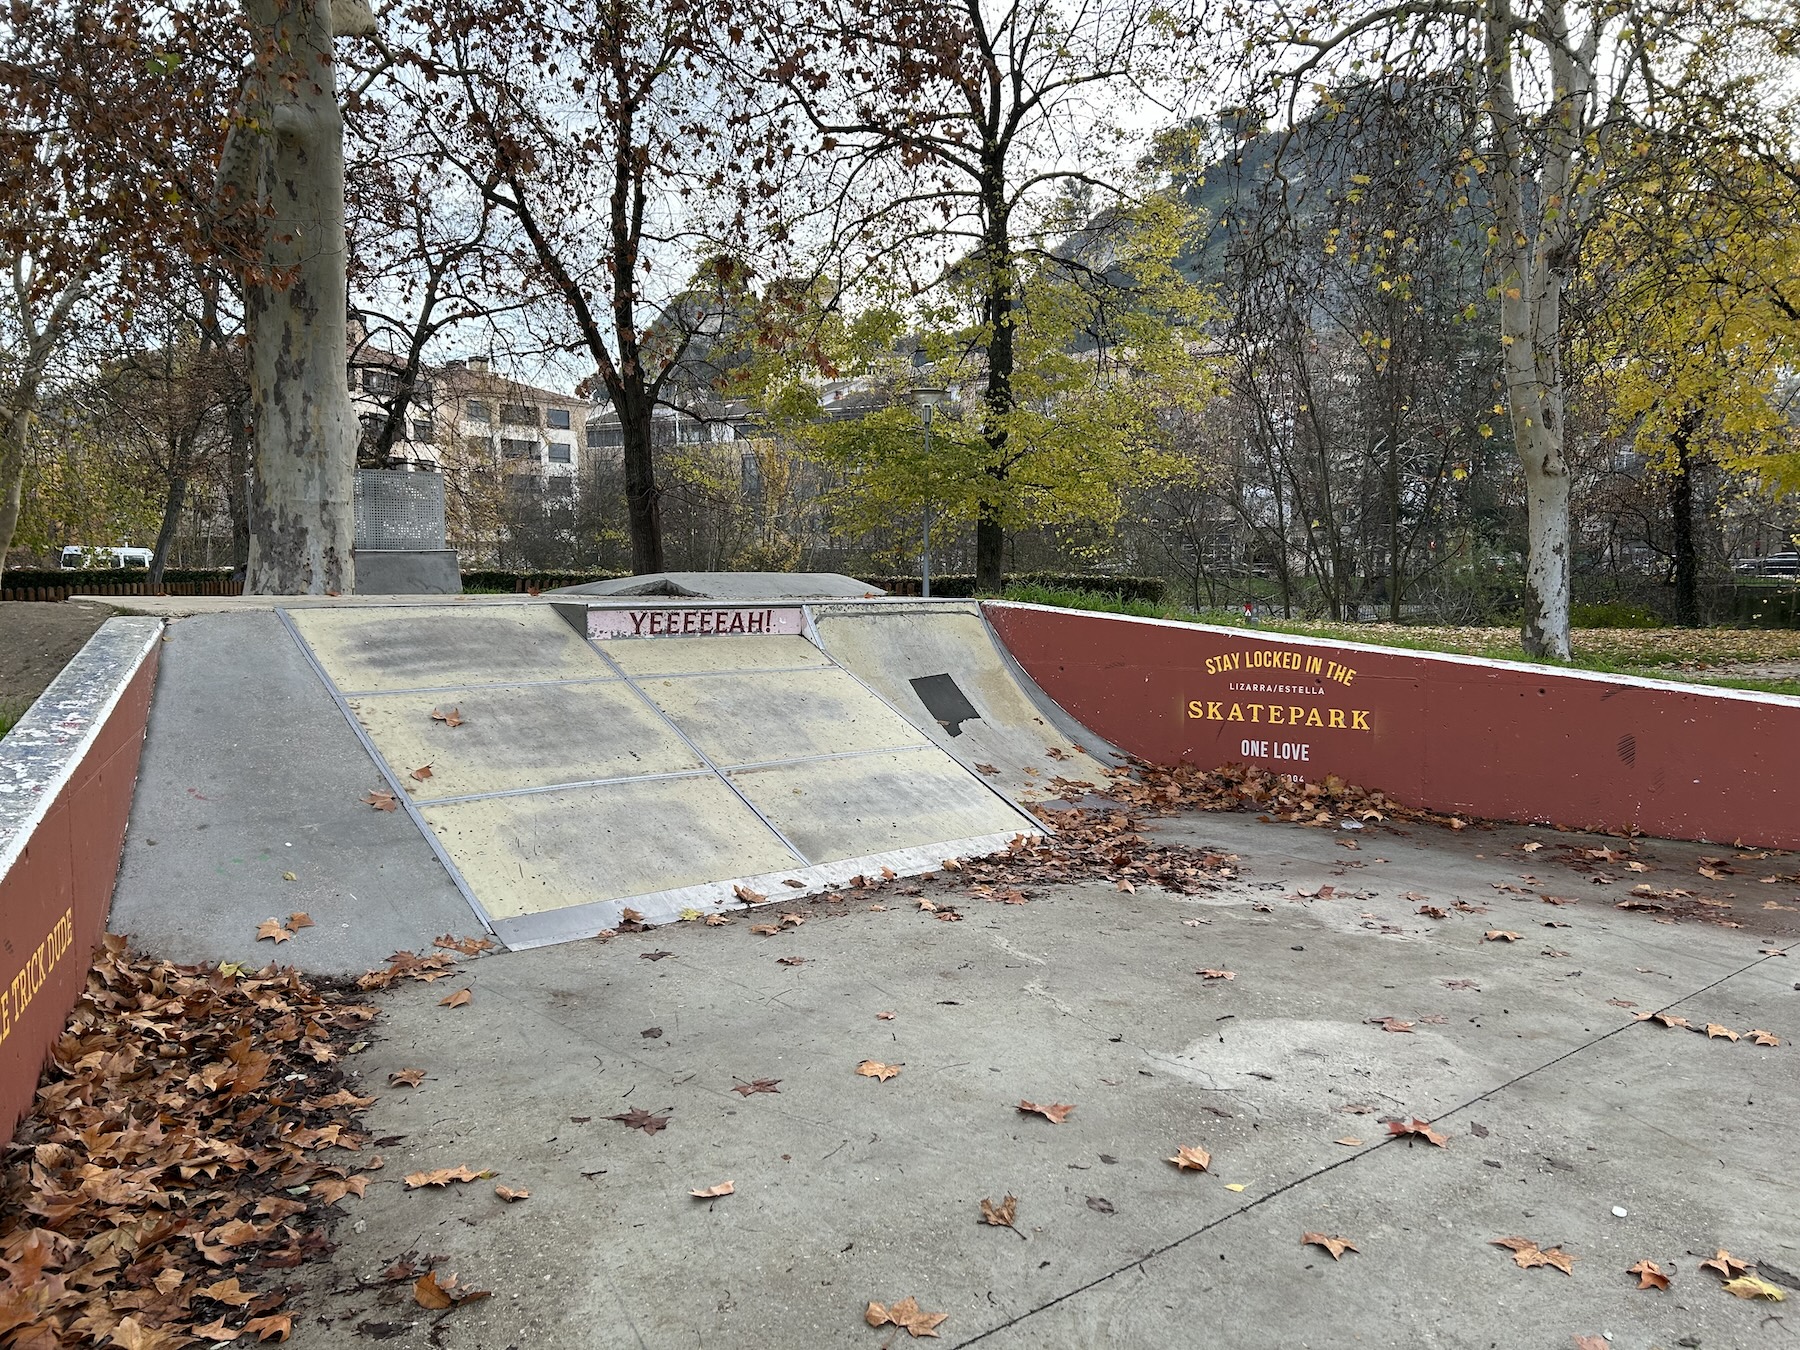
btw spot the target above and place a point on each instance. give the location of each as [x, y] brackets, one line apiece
[67, 771]
[1500, 740]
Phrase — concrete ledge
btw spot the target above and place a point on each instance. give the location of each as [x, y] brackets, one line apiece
[408, 571]
[67, 772]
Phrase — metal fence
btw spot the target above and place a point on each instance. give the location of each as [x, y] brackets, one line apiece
[397, 510]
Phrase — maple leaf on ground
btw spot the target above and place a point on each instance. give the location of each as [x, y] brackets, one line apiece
[406, 1077]
[512, 1197]
[1056, 1113]
[1000, 1215]
[1763, 1038]
[1726, 1264]
[1389, 1024]
[1715, 1032]
[905, 1314]
[874, 1068]
[437, 1295]
[333, 1189]
[275, 1327]
[765, 929]
[453, 718]
[468, 946]
[298, 920]
[216, 1331]
[272, 930]
[1419, 1128]
[1433, 912]
[987, 769]
[717, 920]
[1499, 935]
[421, 773]
[443, 1176]
[460, 999]
[1650, 1275]
[1337, 1246]
[381, 800]
[760, 1085]
[1526, 1254]
[227, 1292]
[1748, 1286]
[1667, 1019]
[1190, 1158]
[639, 1119]
[1207, 973]
[748, 896]
[714, 1192]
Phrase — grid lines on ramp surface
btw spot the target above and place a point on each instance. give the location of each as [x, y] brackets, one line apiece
[657, 774]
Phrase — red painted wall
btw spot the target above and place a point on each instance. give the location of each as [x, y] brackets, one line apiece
[1500, 741]
[54, 899]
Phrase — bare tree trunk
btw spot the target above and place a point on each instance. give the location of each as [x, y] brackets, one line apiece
[302, 529]
[18, 405]
[643, 500]
[173, 501]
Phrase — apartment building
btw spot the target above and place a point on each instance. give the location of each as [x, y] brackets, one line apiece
[524, 430]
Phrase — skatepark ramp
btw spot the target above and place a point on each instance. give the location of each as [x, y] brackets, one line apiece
[568, 759]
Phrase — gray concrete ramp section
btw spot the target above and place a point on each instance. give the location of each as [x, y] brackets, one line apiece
[939, 666]
[442, 646]
[250, 776]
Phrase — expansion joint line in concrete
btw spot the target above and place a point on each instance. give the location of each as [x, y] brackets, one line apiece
[1165, 1248]
[386, 770]
[698, 753]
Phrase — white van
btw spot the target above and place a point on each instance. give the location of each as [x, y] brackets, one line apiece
[80, 558]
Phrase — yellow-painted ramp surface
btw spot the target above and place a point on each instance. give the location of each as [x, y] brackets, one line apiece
[657, 774]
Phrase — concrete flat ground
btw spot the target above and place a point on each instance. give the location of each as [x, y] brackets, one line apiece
[1558, 1107]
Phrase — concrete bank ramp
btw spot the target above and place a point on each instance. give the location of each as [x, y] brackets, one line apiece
[938, 663]
[564, 779]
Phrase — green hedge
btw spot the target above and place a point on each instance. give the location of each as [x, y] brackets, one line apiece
[494, 579]
[961, 585]
[21, 577]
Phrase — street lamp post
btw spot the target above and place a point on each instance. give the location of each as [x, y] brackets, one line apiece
[926, 398]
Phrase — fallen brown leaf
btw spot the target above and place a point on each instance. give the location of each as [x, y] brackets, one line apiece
[1389, 1024]
[406, 1077]
[272, 930]
[1526, 1254]
[1726, 1264]
[421, 773]
[1715, 1032]
[1206, 973]
[227, 1292]
[453, 718]
[1499, 935]
[884, 1017]
[1190, 1158]
[460, 999]
[381, 799]
[714, 1192]
[905, 1314]
[299, 920]
[443, 1176]
[639, 1119]
[1000, 1215]
[1056, 1113]
[1420, 1128]
[760, 1085]
[874, 1068]
[1763, 1038]
[1337, 1246]
[1650, 1275]
[275, 1327]
[512, 1197]
[1748, 1286]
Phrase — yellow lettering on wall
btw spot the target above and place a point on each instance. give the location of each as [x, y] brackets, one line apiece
[35, 972]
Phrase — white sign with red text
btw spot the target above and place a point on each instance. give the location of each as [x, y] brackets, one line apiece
[707, 621]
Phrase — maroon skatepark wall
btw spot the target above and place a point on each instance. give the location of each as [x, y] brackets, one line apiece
[68, 770]
[1500, 740]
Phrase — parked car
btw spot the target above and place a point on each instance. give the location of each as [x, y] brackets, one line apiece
[82, 557]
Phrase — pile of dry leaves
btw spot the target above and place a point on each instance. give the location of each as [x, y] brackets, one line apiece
[1242, 787]
[188, 1143]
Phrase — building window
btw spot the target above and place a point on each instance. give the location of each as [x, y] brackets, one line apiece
[561, 452]
[478, 410]
[510, 449]
[604, 438]
[557, 419]
[424, 430]
[688, 431]
[518, 415]
[372, 423]
[379, 381]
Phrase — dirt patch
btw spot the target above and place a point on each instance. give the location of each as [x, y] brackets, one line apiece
[38, 639]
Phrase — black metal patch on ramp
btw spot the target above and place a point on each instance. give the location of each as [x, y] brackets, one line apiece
[946, 703]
